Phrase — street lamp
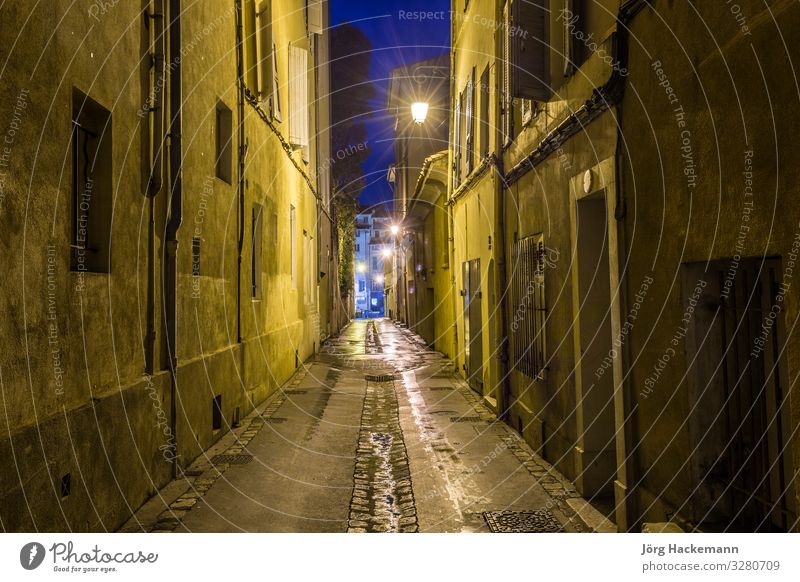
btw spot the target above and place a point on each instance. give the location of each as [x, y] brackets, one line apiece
[362, 268]
[395, 229]
[387, 253]
[379, 278]
[419, 111]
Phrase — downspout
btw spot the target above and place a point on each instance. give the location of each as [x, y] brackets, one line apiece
[240, 152]
[175, 214]
[156, 178]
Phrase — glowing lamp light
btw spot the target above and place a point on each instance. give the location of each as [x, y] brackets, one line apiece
[387, 253]
[419, 111]
[395, 229]
[379, 279]
[362, 268]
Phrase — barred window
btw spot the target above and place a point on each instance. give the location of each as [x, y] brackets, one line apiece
[529, 311]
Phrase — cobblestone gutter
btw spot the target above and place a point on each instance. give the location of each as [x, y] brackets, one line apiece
[383, 496]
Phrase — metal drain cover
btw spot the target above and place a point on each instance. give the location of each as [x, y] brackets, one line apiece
[231, 459]
[379, 378]
[465, 419]
[540, 521]
[292, 392]
[440, 388]
[276, 419]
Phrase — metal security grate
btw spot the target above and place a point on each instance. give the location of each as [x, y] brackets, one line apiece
[540, 521]
[294, 392]
[379, 378]
[440, 389]
[465, 419]
[231, 459]
[276, 419]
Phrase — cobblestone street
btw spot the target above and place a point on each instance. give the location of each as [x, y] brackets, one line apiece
[376, 434]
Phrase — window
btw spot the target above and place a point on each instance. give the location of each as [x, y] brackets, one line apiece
[308, 268]
[457, 142]
[293, 244]
[91, 185]
[530, 56]
[276, 87]
[255, 254]
[528, 310]
[224, 134]
[314, 11]
[362, 285]
[470, 123]
[263, 65]
[574, 29]
[298, 96]
[358, 248]
[484, 116]
[374, 263]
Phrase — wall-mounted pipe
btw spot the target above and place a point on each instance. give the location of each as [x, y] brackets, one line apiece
[240, 153]
[157, 140]
[170, 282]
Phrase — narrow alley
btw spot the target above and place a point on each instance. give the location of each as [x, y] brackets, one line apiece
[375, 434]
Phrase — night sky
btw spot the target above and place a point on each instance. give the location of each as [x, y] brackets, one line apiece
[396, 41]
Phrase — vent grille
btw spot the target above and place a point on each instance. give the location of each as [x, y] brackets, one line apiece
[231, 459]
[465, 419]
[540, 521]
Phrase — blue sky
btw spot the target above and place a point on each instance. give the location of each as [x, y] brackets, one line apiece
[396, 39]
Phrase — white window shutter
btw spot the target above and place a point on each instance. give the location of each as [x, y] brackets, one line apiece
[298, 96]
[263, 47]
[314, 16]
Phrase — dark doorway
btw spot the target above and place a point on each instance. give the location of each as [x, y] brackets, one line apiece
[739, 430]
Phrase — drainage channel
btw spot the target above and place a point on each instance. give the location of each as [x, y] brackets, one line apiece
[372, 340]
[383, 497]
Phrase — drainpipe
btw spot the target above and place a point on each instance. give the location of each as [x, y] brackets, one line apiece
[175, 213]
[156, 178]
[240, 152]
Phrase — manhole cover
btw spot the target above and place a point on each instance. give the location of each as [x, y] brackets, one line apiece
[541, 521]
[231, 459]
[379, 377]
[465, 419]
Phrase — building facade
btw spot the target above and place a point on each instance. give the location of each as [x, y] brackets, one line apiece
[188, 136]
[575, 189]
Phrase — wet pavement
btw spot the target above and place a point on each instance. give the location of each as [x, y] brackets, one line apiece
[376, 434]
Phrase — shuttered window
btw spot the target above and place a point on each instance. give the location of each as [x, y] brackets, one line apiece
[528, 308]
[470, 123]
[530, 56]
[276, 86]
[483, 119]
[298, 96]
[314, 11]
[457, 143]
[263, 64]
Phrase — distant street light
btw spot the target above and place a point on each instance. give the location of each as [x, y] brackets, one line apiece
[379, 279]
[419, 111]
[387, 253]
[362, 268]
[395, 229]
